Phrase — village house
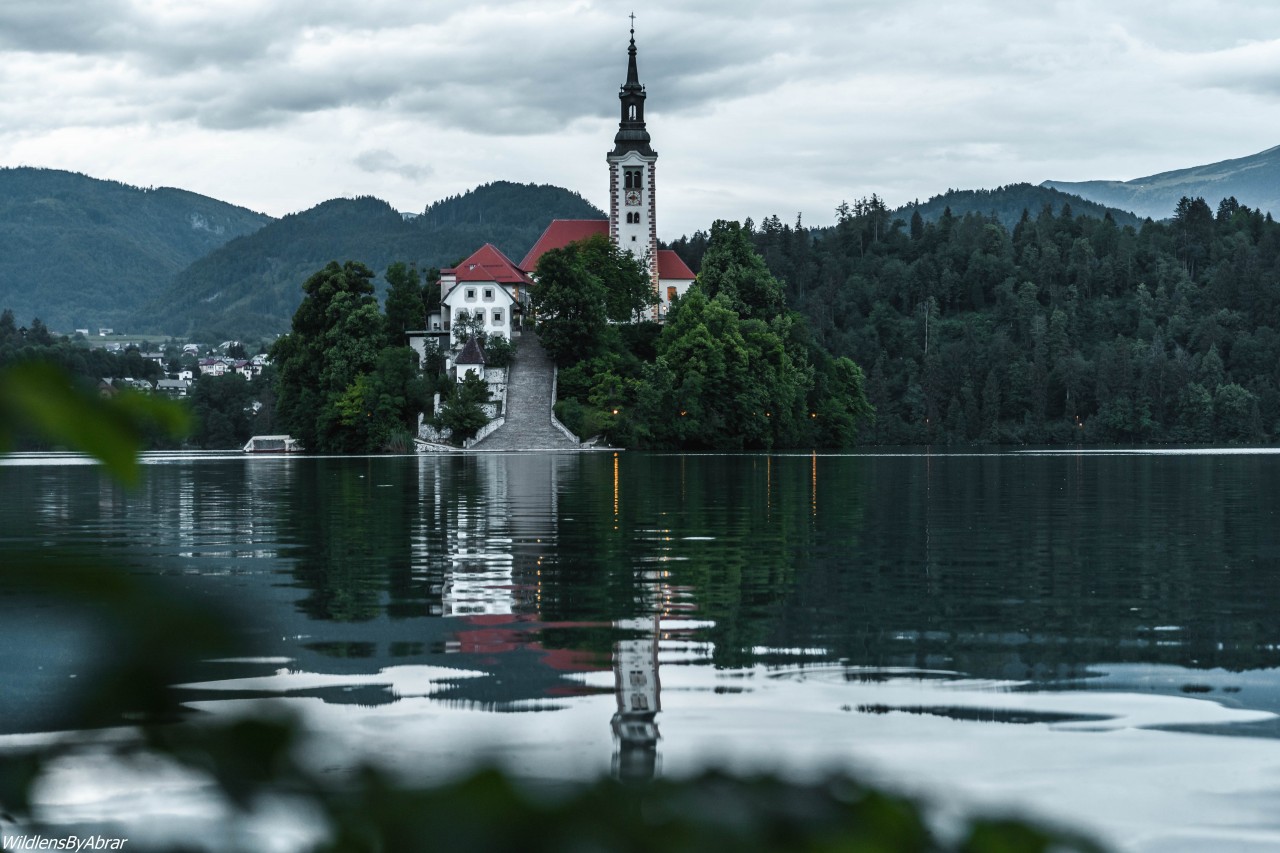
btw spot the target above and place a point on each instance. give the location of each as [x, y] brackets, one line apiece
[486, 289]
[174, 387]
[215, 366]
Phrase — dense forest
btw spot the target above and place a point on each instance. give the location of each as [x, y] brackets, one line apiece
[88, 364]
[346, 381]
[1065, 328]
[1006, 203]
[732, 368]
[87, 253]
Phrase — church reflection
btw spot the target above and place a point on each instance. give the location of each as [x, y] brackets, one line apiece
[639, 695]
[492, 581]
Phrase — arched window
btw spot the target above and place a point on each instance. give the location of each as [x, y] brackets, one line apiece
[631, 112]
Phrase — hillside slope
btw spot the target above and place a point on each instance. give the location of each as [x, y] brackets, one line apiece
[252, 285]
[1008, 203]
[80, 252]
[1253, 181]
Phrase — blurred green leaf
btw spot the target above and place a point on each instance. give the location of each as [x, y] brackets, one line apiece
[42, 398]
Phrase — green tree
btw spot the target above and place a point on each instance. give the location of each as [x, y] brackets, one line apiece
[628, 289]
[1235, 413]
[732, 267]
[222, 407]
[405, 309]
[461, 411]
[582, 287]
[468, 325]
[570, 303]
[337, 333]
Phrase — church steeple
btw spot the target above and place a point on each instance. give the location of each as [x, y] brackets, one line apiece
[633, 209]
[632, 135]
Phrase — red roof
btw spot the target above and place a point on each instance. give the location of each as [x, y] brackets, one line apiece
[488, 264]
[671, 267]
[560, 233]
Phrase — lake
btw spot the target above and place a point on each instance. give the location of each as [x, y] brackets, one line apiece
[1089, 637]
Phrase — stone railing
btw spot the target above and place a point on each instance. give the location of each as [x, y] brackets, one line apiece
[484, 431]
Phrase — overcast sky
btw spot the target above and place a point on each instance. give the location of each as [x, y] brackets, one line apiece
[755, 108]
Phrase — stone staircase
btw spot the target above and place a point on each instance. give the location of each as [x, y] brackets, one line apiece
[529, 398]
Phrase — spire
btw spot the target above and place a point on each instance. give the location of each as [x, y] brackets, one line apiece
[633, 75]
[632, 135]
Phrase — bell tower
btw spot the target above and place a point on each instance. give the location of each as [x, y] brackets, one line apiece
[632, 209]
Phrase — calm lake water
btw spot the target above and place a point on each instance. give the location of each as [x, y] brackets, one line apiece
[1091, 637]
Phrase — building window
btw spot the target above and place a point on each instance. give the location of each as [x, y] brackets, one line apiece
[632, 179]
[497, 317]
[488, 293]
[671, 294]
[471, 293]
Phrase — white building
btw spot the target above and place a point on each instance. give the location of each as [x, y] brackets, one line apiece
[487, 285]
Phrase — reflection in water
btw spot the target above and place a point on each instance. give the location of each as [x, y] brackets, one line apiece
[639, 695]
[888, 604]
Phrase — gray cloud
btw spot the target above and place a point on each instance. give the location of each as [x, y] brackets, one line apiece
[377, 160]
[838, 100]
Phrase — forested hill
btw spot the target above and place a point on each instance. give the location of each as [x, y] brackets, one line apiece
[1064, 328]
[1252, 180]
[252, 285]
[1005, 204]
[80, 252]
[1008, 202]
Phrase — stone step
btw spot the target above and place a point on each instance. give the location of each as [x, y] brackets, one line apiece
[528, 424]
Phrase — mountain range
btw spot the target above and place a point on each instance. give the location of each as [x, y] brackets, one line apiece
[1253, 181]
[79, 252]
[252, 285]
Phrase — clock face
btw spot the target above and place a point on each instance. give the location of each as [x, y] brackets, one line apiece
[633, 197]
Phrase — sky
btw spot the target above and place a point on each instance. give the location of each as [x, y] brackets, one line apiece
[754, 108]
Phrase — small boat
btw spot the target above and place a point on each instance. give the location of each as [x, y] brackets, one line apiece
[273, 444]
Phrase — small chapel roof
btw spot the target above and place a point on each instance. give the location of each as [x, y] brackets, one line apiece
[471, 353]
[670, 266]
[488, 263]
[560, 233]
